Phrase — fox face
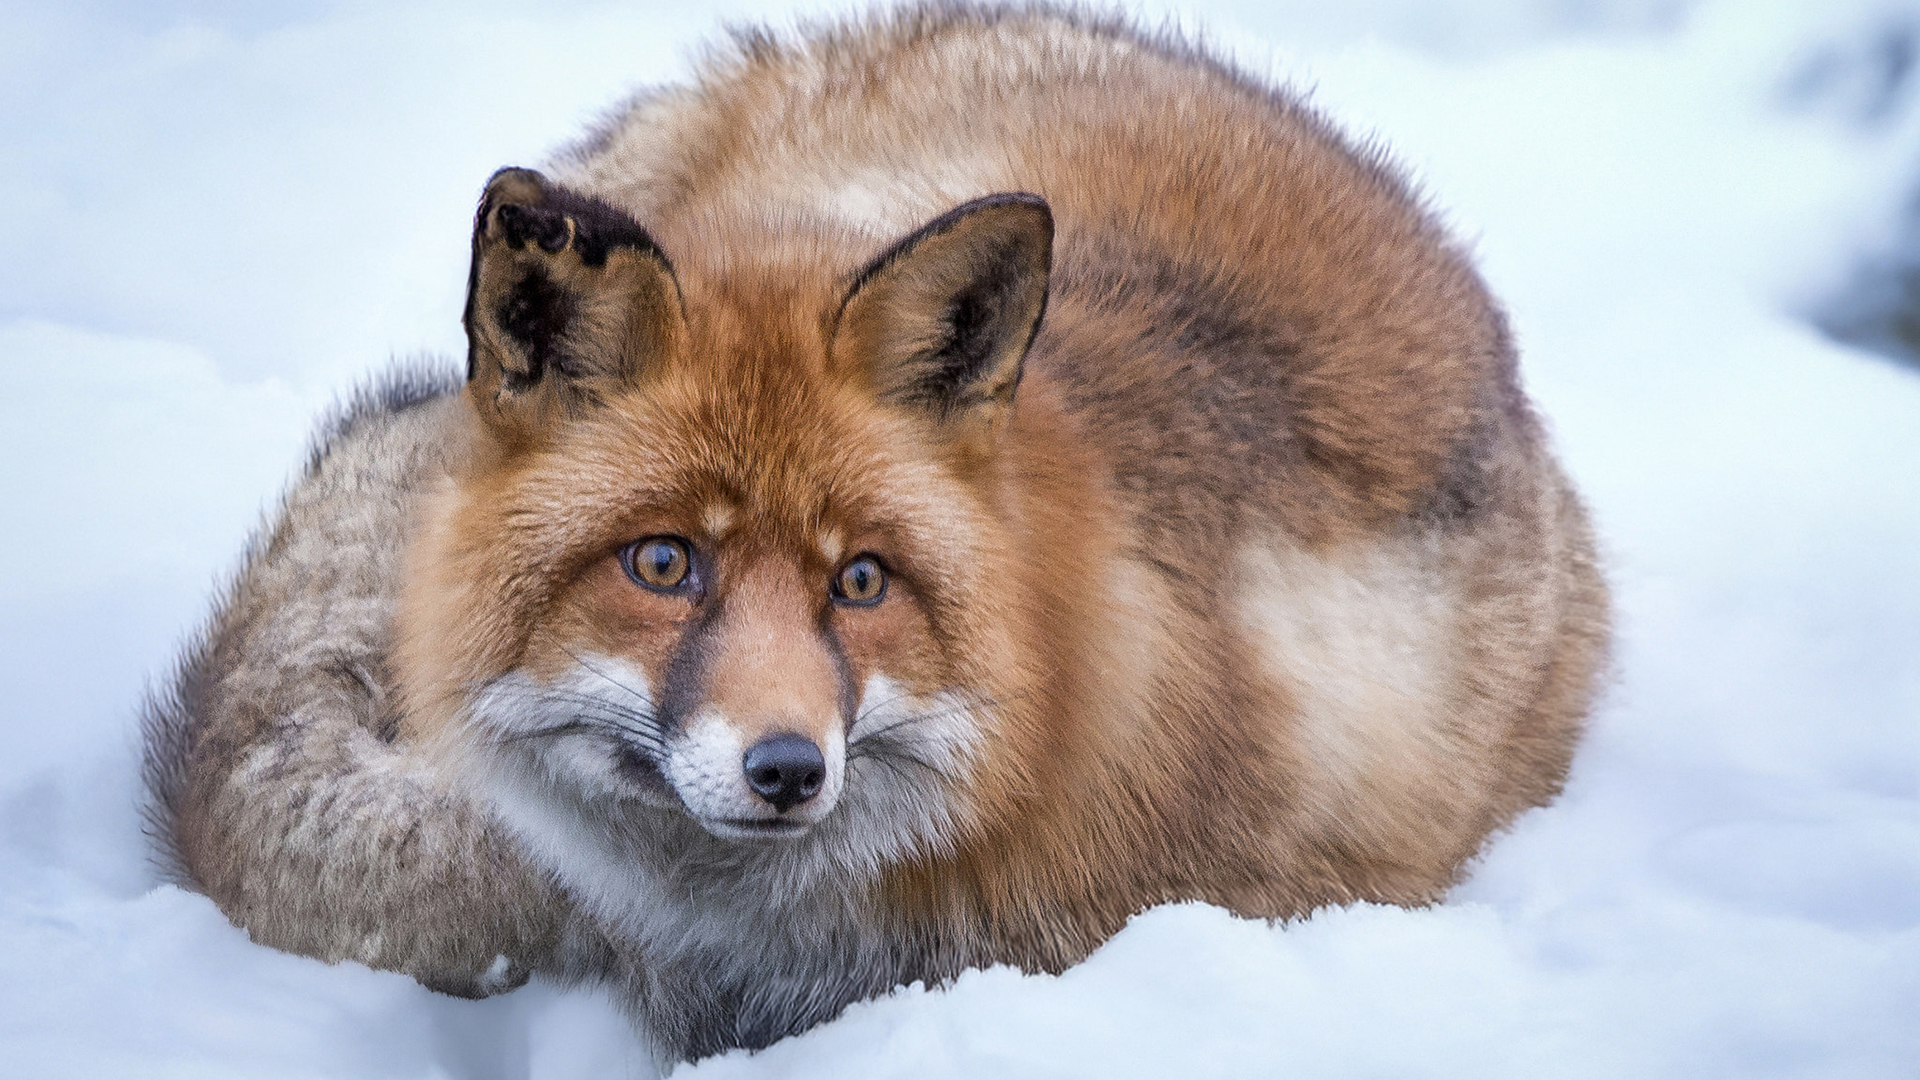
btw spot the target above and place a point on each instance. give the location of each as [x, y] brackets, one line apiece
[735, 558]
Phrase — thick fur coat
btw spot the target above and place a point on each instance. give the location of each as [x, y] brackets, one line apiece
[923, 493]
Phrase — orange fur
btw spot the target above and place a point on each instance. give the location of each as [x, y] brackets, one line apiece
[1265, 369]
[1242, 574]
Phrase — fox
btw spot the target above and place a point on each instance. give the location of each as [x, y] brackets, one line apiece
[936, 485]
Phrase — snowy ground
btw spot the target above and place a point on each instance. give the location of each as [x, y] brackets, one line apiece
[218, 218]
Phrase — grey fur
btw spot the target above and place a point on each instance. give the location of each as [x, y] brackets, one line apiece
[1438, 693]
[273, 785]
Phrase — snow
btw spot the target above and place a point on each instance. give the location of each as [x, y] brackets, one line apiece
[1666, 196]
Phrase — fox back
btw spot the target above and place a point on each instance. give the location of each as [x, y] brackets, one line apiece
[936, 487]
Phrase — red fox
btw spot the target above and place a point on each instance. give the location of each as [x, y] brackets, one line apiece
[925, 492]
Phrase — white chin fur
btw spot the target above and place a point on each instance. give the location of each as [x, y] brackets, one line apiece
[772, 830]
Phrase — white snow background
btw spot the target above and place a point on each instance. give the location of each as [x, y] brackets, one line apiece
[217, 218]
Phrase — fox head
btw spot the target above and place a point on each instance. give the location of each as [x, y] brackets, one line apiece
[730, 539]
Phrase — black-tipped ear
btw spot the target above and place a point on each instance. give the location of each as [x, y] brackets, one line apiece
[942, 320]
[568, 300]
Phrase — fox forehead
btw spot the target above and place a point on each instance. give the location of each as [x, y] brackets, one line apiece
[782, 461]
[761, 457]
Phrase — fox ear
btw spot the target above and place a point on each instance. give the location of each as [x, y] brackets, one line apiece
[942, 320]
[568, 300]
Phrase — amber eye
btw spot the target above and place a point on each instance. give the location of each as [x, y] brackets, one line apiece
[659, 562]
[860, 581]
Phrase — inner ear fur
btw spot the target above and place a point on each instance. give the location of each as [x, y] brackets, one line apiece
[568, 300]
[941, 321]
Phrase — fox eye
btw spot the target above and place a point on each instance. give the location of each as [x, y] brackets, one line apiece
[662, 563]
[860, 582]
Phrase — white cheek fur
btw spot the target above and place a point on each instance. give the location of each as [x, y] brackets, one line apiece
[573, 726]
[916, 802]
[896, 783]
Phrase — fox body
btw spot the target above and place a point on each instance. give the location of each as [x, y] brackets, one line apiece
[922, 494]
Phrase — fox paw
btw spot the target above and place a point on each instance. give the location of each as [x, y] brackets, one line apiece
[501, 976]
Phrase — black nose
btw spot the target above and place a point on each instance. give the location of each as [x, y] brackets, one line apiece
[785, 770]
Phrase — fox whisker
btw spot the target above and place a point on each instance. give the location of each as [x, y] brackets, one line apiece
[549, 732]
[583, 662]
[944, 711]
[583, 712]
